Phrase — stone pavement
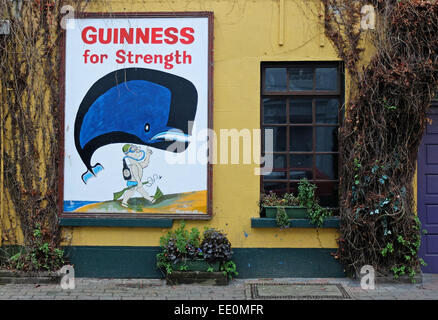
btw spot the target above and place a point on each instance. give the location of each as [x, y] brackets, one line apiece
[156, 289]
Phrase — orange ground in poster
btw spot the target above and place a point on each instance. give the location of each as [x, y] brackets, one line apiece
[189, 202]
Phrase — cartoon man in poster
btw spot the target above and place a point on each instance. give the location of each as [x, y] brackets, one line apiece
[138, 160]
[134, 105]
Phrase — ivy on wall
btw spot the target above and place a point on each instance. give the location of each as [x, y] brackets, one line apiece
[30, 66]
[385, 120]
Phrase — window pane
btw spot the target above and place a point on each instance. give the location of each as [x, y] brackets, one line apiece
[275, 79]
[298, 175]
[276, 175]
[300, 79]
[326, 167]
[274, 110]
[300, 111]
[301, 165]
[279, 170]
[327, 192]
[327, 111]
[277, 187]
[301, 138]
[279, 137]
[326, 79]
[326, 139]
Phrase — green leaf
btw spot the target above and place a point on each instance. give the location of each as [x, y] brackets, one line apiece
[158, 194]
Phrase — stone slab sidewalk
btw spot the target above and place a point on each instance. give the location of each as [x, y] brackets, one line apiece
[239, 289]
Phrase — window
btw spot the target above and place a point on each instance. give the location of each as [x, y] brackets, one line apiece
[302, 103]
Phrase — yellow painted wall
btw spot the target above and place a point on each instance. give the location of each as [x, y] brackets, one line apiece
[245, 34]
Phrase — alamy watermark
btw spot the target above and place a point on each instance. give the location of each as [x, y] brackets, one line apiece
[68, 19]
[68, 277]
[368, 278]
[368, 21]
[230, 146]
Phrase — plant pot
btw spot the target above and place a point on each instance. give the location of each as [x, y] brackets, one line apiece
[198, 277]
[196, 265]
[292, 212]
[195, 271]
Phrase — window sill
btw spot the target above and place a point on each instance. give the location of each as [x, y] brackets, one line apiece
[116, 222]
[294, 223]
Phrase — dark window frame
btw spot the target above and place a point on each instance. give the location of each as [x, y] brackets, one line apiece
[314, 94]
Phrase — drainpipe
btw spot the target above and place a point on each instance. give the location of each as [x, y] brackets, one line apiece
[281, 23]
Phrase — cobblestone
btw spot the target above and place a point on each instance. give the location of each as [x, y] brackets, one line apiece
[156, 289]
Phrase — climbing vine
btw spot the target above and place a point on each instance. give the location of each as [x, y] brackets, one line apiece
[30, 65]
[386, 116]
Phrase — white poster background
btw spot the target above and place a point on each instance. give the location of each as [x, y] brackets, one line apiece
[79, 77]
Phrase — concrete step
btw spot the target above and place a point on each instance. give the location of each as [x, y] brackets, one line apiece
[28, 280]
[20, 277]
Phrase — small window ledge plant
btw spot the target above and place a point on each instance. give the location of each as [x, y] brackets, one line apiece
[270, 204]
[185, 252]
[303, 206]
[307, 198]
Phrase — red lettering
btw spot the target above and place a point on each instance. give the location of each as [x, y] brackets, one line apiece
[138, 57]
[120, 55]
[116, 35]
[158, 58]
[188, 34]
[177, 56]
[130, 56]
[103, 57]
[156, 36]
[170, 33]
[86, 55]
[108, 36]
[187, 58]
[89, 38]
[91, 35]
[94, 58]
[128, 36]
[144, 36]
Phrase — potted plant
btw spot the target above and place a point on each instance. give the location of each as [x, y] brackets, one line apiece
[187, 259]
[307, 198]
[270, 203]
[216, 249]
[304, 206]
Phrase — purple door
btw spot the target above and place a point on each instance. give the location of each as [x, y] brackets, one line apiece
[428, 193]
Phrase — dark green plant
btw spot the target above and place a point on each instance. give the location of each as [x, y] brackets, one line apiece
[40, 255]
[178, 245]
[317, 214]
[403, 252]
[307, 198]
[306, 193]
[229, 269]
[215, 246]
[269, 200]
[272, 200]
[290, 200]
[181, 245]
[183, 268]
[282, 218]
